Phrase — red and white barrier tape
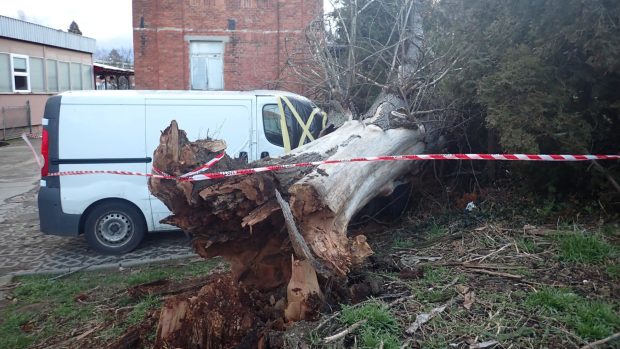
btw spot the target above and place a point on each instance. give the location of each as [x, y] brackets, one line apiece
[205, 167]
[196, 175]
[34, 152]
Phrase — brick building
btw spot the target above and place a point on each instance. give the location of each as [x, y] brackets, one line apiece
[218, 44]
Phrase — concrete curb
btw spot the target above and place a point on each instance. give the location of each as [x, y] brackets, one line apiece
[93, 267]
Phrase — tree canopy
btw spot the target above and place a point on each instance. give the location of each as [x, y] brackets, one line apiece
[532, 76]
[543, 73]
[74, 28]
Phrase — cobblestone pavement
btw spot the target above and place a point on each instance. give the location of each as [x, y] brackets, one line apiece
[24, 249]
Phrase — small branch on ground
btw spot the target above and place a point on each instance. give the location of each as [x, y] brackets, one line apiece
[345, 332]
[495, 273]
[602, 341]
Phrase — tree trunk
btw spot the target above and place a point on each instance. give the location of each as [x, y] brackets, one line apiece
[240, 219]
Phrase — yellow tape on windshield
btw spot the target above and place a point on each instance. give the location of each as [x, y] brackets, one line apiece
[304, 126]
[286, 141]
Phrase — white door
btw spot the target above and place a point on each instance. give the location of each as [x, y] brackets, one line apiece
[207, 65]
[215, 72]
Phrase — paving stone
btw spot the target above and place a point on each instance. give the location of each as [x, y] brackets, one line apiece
[24, 249]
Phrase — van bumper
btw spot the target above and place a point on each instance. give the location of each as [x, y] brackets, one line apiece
[52, 219]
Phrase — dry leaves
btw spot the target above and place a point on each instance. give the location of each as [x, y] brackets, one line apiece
[468, 295]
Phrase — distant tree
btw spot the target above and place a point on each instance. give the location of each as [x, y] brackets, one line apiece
[101, 54]
[115, 57]
[74, 28]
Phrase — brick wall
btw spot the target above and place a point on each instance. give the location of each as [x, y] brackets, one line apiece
[256, 51]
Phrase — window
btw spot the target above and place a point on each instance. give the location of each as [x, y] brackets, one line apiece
[21, 73]
[271, 124]
[37, 75]
[87, 77]
[5, 73]
[207, 65]
[64, 80]
[52, 75]
[76, 76]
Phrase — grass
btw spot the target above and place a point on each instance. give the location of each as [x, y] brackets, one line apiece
[613, 270]
[381, 325]
[610, 230]
[512, 314]
[44, 309]
[401, 243]
[436, 232]
[142, 308]
[579, 247]
[590, 319]
[528, 245]
[431, 287]
[495, 316]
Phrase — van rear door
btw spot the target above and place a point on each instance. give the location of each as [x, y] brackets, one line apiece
[101, 134]
[227, 119]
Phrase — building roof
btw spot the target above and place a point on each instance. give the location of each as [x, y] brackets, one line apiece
[26, 31]
[111, 70]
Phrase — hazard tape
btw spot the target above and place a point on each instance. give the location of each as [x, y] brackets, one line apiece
[37, 158]
[205, 167]
[196, 175]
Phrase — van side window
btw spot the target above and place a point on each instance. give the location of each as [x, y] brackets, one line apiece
[271, 124]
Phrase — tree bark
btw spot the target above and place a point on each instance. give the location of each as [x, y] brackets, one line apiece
[240, 219]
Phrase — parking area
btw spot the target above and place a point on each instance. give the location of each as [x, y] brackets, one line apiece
[24, 249]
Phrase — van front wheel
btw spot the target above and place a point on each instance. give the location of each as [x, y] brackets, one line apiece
[114, 228]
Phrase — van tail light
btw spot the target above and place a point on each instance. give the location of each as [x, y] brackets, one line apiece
[45, 152]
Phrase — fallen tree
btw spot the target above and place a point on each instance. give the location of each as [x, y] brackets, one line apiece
[285, 233]
[240, 218]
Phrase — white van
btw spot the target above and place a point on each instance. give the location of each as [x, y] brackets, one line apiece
[119, 130]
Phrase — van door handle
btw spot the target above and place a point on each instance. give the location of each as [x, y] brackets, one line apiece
[264, 154]
[243, 156]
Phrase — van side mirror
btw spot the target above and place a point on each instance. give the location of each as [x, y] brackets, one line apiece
[264, 154]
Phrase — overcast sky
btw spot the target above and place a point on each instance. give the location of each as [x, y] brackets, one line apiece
[108, 21]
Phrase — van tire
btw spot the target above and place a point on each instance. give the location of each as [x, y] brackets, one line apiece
[114, 228]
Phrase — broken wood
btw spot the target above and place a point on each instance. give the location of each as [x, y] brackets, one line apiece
[303, 292]
[297, 241]
[239, 218]
[220, 315]
[164, 287]
[130, 339]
